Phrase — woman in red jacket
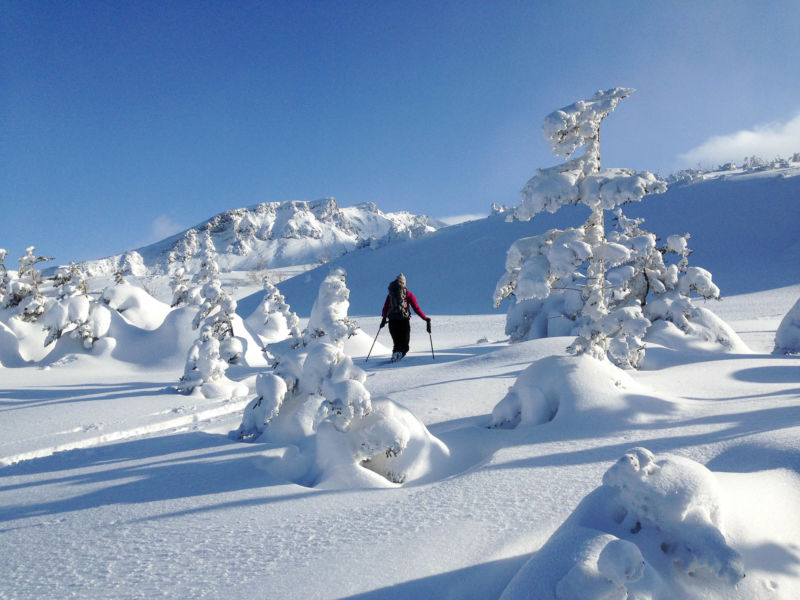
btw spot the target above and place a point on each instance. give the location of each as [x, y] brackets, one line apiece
[396, 312]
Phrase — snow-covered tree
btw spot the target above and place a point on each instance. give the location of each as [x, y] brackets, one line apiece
[217, 308]
[23, 291]
[329, 321]
[203, 363]
[70, 281]
[181, 291]
[787, 337]
[305, 368]
[74, 311]
[209, 269]
[317, 390]
[4, 279]
[582, 281]
[217, 347]
[185, 248]
[279, 322]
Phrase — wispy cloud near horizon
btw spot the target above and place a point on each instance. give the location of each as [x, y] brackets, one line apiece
[456, 219]
[163, 227]
[768, 141]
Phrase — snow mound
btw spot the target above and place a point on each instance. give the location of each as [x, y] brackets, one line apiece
[572, 389]
[387, 446]
[9, 348]
[654, 529]
[787, 337]
[137, 306]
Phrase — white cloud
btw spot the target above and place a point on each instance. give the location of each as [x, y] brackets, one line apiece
[163, 227]
[773, 140]
[456, 219]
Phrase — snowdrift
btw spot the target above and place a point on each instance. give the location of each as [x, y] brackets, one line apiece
[658, 528]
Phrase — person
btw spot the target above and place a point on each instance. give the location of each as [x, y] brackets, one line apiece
[396, 312]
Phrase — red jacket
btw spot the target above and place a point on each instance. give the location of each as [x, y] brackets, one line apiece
[412, 302]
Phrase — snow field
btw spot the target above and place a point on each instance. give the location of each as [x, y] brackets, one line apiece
[185, 510]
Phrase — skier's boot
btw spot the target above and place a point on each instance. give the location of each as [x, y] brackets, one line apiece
[397, 356]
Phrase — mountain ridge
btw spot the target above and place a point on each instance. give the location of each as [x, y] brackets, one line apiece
[272, 235]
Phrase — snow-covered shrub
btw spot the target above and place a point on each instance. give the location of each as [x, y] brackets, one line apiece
[566, 389]
[73, 311]
[306, 367]
[70, 281]
[317, 392]
[583, 282]
[135, 304]
[203, 363]
[787, 337]
[95, 327]
[654, 529]
[209, 269]
[86, 320]
[270, 393]
[279, 322]
[4, 278]
[181, 290]
[23, 291]
[329, 314]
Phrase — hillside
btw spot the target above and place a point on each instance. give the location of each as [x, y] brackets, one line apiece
[745, 229]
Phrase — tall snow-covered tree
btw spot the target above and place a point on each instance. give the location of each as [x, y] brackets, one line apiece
[582, 281]
[216, 345]
[329, 318]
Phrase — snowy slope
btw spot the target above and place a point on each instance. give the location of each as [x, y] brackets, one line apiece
[745, 226]
[745, 229]
[157, 500]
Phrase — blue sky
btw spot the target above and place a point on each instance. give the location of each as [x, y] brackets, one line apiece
[123, 122]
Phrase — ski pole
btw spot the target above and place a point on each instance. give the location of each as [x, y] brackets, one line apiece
[432, 354]
[373, 343]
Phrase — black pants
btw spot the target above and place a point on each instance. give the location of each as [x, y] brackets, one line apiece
[400, 330]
